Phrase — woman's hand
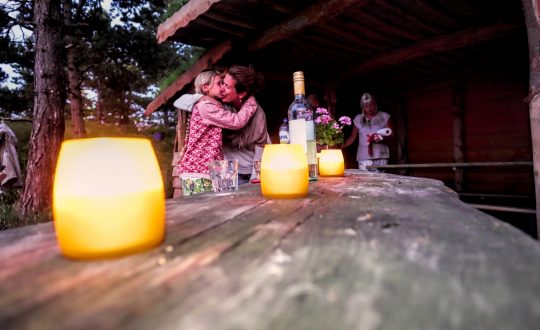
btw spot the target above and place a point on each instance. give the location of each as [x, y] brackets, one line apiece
[374, 137]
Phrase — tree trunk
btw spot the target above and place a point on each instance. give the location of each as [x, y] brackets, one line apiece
[99, 104]
[166, 122]
[48, 119]
[123, 106]
[73, 75]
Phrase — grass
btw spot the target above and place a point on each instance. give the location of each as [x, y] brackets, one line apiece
[163, 149]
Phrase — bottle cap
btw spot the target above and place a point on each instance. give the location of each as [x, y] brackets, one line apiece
[298, 80]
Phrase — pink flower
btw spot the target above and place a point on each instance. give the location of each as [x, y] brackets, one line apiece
[321, 111]
[325, 119]
[344, 120]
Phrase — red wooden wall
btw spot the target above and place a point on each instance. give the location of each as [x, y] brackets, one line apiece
[496, 129]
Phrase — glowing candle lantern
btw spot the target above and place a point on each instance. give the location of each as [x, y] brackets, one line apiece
[108, 197]
[331, 163]
[284, 171]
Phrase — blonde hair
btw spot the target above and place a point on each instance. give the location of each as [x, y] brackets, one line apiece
[367, 98]
[204, 78]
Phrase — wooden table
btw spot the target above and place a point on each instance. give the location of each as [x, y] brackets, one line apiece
[366, 251]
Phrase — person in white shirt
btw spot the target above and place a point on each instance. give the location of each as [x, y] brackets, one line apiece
[372, 146]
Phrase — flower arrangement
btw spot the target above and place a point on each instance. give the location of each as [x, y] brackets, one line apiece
[328, 131]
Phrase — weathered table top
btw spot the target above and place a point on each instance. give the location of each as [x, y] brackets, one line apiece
[367, 251]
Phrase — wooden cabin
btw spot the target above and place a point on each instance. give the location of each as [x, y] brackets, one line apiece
[461, 80]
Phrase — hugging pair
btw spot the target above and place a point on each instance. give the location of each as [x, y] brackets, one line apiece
[225, 122]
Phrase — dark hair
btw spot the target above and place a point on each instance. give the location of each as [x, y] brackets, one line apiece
[247, 79]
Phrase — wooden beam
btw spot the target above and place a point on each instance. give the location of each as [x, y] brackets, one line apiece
[183, 17]
[452, 165]
[502, 208]
[458, 113]
[207, 60]
[532, 13]
[313, 15]
[433, 46]
[227, 19]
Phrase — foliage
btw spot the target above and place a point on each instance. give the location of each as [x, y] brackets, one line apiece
[189, 56]
[9, 218]
[116, 52]
[16, 49]
[328, 131]
[172, 7]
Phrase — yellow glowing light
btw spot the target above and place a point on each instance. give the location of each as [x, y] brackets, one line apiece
[331, 163]
[108, 197]
[284, 171]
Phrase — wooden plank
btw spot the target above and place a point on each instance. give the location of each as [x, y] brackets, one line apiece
[410, 19]
[189, 12]
[383, 24]
[206, 61]
[432, 46]
[320, 12]
[532, 20]
[360, 36]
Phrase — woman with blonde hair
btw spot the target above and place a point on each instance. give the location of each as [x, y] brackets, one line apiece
[372, 147]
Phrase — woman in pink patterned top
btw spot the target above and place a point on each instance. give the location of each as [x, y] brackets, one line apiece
[204, 142]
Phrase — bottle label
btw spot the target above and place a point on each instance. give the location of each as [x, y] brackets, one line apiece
[310, 130]
[284, 137]
[297, 132]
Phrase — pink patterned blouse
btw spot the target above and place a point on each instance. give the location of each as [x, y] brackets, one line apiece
[204, 142]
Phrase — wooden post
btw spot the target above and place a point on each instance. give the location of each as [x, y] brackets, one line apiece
[532, 20]
[401, 134]
[457, 116]
[180, 140]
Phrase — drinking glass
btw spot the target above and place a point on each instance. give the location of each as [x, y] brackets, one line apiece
[224, 175]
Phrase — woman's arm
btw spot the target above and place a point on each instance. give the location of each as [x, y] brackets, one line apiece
[352, 137]
[214, 114]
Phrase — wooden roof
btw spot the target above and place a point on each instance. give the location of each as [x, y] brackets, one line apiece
[398, 42]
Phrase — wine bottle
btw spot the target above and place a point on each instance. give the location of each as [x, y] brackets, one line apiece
[284, 132]
[301, 125]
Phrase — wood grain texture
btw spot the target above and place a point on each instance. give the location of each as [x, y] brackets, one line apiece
[432, 46]
[366, 251]
[319, 12]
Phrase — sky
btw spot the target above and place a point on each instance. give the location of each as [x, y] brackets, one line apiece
[9, 82]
